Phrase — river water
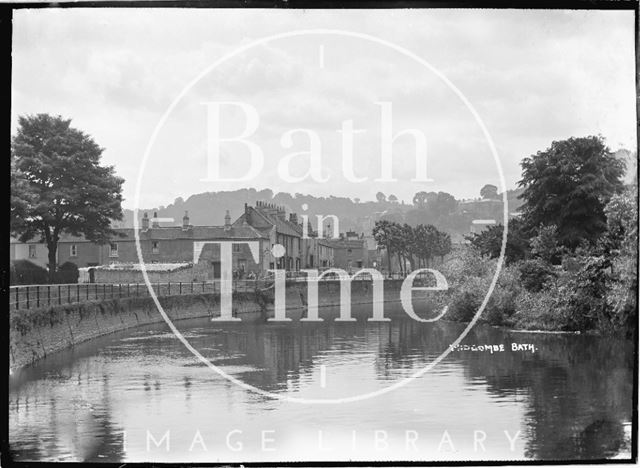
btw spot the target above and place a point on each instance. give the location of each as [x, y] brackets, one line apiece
[140, 395]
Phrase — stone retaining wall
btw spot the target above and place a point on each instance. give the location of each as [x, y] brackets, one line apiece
[36, 333]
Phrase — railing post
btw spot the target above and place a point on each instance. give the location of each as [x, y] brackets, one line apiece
[137, 290]
[27, 297]
[18, 297]
[180, 288]
[68, 294]
[203, 286]
[77, 292]
[119, 290]
[191, 286]
[48, 295]
[169, 288]
[38, 296]
[128, 289]
[59, 295]
[87, 290]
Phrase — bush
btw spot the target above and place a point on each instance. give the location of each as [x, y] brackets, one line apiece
[502, 304]
[26, 272]
[464, 300]
[542, 311]
[534, 274]
[67, 273]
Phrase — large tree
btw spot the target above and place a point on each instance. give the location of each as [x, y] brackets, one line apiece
[489, 192]
[59, 186]
[568, 185]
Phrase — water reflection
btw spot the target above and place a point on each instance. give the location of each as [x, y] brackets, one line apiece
[570, 399]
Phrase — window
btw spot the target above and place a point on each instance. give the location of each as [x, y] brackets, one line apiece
[155, 247]
[73, 250]
[113, 249]
[32, 251]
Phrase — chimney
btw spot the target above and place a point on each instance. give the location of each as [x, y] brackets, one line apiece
[227, 221]
[145, 222]
[293, 217]
[154, 221]
[185, 220]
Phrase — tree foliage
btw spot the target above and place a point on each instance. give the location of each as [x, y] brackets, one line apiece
[418, 245]
[568, 185]
[489, 241]
[489, 192]
[59, 185]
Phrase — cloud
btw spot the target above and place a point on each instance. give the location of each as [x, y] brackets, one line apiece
[533, 76]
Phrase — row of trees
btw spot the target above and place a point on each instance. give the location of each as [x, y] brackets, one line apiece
[417, 246]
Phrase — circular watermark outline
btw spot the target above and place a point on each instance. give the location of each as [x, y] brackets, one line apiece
[402, 51]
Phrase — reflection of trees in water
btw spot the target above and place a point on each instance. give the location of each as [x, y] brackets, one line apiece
[577, 389]
[282, 352]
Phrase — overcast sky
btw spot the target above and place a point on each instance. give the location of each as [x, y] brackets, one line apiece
[532, 76]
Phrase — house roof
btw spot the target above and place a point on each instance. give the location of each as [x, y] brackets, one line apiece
[171, 233]
[282, 226]
[194, 233]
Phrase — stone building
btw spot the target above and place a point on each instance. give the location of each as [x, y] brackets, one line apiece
[271, 222]
[265, 223]
[350, 253]
[176, 244]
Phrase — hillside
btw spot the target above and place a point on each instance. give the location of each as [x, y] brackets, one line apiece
[209, 208]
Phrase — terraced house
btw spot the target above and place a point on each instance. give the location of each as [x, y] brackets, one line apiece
[265, 223]
[271, 221]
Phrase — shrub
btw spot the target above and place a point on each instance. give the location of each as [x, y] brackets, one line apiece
[502, 304]
[465, 299]
[541, 311]
[26, 272]
[67, 273]
[534, 274]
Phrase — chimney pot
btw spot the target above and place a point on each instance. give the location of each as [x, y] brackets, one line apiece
[227, 221]
[145, 221]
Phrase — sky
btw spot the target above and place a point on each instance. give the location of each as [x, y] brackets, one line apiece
[126, 75]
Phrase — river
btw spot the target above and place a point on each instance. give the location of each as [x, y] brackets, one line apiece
[140, 395]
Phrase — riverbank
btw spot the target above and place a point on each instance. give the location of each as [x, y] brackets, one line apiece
[36, 333]
[530, 295]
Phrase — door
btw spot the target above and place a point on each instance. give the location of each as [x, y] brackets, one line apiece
[216, 270]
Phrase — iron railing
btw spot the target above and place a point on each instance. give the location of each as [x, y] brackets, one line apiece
[33, 296]
[43, 295]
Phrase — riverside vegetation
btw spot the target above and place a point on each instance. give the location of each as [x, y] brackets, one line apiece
[571, 255]
[571, 258]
